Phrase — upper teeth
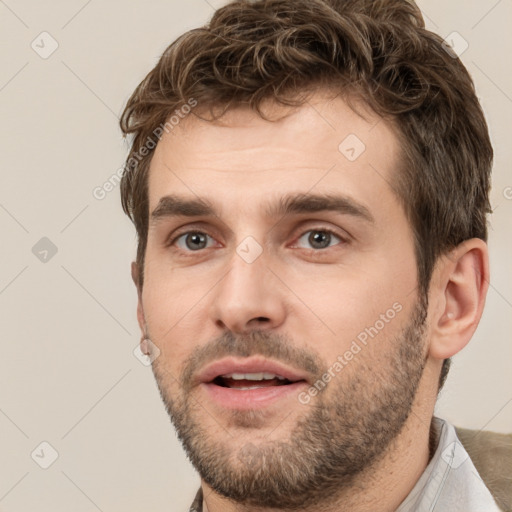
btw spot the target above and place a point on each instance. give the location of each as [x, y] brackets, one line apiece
[252, 376]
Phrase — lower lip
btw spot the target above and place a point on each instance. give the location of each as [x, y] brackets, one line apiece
[243, 399]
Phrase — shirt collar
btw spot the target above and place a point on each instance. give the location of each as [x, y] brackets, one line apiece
[450, 482]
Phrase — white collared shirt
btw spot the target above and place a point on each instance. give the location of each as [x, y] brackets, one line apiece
[450, 482]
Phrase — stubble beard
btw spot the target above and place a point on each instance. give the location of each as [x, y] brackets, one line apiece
[344, 431]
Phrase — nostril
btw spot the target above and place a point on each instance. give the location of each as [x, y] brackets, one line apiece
[238, 325]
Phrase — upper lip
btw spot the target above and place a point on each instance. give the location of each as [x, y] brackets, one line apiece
[230, 365]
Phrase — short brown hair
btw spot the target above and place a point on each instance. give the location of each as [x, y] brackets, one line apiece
[375, 50]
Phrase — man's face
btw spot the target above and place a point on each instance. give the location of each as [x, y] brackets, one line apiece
[278, 282]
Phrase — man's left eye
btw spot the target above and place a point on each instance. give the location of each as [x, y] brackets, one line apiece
[319, 238]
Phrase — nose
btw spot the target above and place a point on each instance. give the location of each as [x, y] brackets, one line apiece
[249, 297]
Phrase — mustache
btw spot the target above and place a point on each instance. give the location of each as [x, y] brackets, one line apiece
[256, 343]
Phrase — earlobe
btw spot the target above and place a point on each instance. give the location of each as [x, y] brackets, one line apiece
[461, 286]
[144, 346]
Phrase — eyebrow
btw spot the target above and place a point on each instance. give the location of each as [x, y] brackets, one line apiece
[178, 206]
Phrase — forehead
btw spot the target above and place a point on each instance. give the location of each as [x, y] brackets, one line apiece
[324, 144]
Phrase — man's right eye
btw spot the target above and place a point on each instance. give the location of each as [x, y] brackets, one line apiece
[192, 241]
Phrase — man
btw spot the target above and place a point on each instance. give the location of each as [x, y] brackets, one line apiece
[309, 183]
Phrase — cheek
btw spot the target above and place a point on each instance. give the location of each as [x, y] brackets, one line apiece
[367, 302]
[173, 307]
[169, 293]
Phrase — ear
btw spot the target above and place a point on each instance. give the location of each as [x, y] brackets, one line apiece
[140, 311]
[459, 286]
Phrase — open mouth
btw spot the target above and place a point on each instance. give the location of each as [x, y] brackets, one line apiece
[245, 381]
[250, 383]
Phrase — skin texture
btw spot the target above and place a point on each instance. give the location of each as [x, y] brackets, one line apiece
[301, 305]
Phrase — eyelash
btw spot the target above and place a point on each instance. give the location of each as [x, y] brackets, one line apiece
[343, 240]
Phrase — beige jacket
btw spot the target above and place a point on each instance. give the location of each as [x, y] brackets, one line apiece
[491, 454]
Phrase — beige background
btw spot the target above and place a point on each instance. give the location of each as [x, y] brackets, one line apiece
[68, 328]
